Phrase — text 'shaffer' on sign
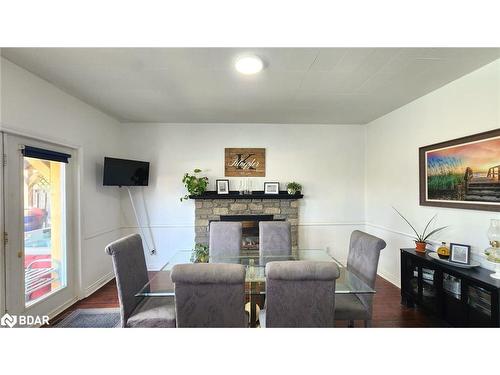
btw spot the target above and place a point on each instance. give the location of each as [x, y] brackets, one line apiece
[250, 162]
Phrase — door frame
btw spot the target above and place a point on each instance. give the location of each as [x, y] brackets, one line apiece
[73, 223]
[3, 287]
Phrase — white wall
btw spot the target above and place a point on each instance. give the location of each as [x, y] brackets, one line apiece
[32, 106]
[327, 159]
[466, 106]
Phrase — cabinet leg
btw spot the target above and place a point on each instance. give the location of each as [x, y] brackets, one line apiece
[408, 302]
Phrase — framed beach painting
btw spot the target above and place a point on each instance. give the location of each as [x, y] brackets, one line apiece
[462, 173]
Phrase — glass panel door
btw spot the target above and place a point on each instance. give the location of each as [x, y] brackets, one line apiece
[44, 228]
[429, 290]
[479, 300]
[452, 286]
[453, 305]
[413, 279]
[479, 303]
[39, 222]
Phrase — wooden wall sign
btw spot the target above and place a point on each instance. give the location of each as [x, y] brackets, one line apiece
[250, 162]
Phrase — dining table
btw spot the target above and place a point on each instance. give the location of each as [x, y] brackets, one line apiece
[160, 284]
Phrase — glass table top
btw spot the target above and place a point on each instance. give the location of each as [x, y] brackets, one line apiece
[160, 283]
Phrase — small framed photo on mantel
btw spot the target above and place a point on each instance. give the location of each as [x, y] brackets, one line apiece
[459, 253]
[271, 187]
[222, 186]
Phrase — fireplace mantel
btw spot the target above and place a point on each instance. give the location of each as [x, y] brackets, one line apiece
[255, 195]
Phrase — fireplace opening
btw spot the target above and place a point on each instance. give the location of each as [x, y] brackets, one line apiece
[249, 228]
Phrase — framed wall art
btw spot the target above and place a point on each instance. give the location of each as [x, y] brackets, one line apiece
[462, 173]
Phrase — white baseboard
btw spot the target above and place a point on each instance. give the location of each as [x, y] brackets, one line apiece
[391, 278]
[97, 284]
[63, 307]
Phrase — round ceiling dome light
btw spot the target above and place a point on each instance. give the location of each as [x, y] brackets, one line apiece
[249, 65]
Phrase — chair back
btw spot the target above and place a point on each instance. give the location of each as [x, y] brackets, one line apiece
[129, 264]
[364, 253]
[210, 295]
[225, 239]
[300, 293]
[275, 238]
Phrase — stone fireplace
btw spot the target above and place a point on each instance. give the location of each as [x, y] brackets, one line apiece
[247, 209]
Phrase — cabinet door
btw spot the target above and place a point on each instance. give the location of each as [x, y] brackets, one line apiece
[410, 276]
[420, 283]
[454, 308]
[479, 306]
[429, 291]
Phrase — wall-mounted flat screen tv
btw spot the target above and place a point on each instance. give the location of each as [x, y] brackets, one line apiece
[122, 172]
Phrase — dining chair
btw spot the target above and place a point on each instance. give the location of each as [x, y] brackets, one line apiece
[129, 264]
[299, 294]
[210, 295]
[275, 238]
[225, 239]
[364, 253]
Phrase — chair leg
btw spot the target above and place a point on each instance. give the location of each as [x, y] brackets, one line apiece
[368, 323]
[350, 324]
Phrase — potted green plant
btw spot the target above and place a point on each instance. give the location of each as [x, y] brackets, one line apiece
[195, 185]
[293, 188]
[421, 238]
[200, 253]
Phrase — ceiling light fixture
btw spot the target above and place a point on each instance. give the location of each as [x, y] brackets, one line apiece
[249, 65]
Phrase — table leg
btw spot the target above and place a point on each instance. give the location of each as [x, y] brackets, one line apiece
[253, 305]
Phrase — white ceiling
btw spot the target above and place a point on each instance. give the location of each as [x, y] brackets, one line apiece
[298, 85]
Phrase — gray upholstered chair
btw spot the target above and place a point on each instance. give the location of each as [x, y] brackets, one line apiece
[299, 294]
[364, 252]
[131, 274]
[275, 238]
[225, 239]
[210, 295]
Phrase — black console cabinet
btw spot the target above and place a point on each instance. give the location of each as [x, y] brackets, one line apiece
[461, 297]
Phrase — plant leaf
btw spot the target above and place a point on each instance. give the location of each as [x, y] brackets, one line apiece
[435, 231]
[427, 226]
[399, 213]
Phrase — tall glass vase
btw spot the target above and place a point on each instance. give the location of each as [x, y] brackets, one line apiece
[493, 252]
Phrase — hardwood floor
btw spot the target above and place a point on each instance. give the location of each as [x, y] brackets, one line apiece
[389, 312]
[387, 309]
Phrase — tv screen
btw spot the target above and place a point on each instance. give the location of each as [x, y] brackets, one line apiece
[121, 172]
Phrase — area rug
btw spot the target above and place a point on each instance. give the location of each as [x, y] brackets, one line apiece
[91, 318]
